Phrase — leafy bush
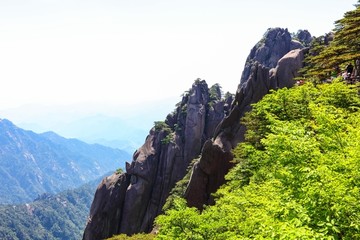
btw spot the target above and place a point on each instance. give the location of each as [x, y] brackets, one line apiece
[299, 180]
[161, 126]
[179, 190]
[139, 236]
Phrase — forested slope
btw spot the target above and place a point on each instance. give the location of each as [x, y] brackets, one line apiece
[59, 216]
[298, 173]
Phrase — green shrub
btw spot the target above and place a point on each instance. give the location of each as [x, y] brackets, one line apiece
[302, 183]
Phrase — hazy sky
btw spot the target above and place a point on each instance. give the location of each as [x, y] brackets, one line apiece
[117, 51]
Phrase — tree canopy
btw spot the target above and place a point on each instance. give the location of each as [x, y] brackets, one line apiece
[300, 180]
[327, 54]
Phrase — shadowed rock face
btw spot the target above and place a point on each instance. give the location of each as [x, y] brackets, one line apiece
[107, 207]
[128, 203]
[195, 127]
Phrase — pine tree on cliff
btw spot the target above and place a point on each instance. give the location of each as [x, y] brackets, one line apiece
[326, 56]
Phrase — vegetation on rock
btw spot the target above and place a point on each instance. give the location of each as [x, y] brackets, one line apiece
[299, 180]
[297, 174]
[139, 236]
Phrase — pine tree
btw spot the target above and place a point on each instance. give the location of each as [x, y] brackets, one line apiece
[348, 32]
[325, 57]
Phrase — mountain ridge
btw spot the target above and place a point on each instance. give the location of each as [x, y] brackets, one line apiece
[32, 164]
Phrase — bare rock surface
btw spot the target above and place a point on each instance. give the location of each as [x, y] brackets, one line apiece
[217, 152]
[201, 125]
[129, 202]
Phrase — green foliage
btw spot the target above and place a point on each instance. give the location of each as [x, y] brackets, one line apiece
[299, 180]
[285, 105]
[60, 216]
[161, 126]
[140, 236]
[169, 138]
[179, 190]
[347, 32]
[215, 92]
[326, 56]
[181, 222]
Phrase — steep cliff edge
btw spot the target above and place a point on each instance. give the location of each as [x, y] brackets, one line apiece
[258, 78]
[201, 124]
[129, 202]
[208, 173]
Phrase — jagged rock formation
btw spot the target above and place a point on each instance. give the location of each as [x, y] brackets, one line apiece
[275, 44]
[189, 131]
[208, 173]
[129, 202]
[304, 37]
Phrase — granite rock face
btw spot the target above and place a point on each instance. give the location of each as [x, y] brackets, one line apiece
[275, 44]
[107, 213]
[129, 202]
[202, 125]
[209, 172]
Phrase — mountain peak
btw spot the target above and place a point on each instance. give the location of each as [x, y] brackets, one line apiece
[275, 43]
[6, 122]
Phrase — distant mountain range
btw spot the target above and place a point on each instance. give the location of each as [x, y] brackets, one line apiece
[108, 131]
[119, 126]
[32, 164]
[59, 216]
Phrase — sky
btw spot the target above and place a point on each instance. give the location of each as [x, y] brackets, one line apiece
[122, 53]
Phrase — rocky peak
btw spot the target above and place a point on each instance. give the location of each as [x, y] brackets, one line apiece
[5, 122]
[202, 125]
[208, 174]
[275, 43]
[304, 36]
[129, 202]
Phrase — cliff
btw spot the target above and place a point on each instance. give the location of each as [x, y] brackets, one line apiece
[260, 75]
[202, 124]
[129, 202]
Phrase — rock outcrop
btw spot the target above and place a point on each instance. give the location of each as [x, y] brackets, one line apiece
[107, 208]
[129, 202]
[201, 124]
[275, 44]
[209, 172]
